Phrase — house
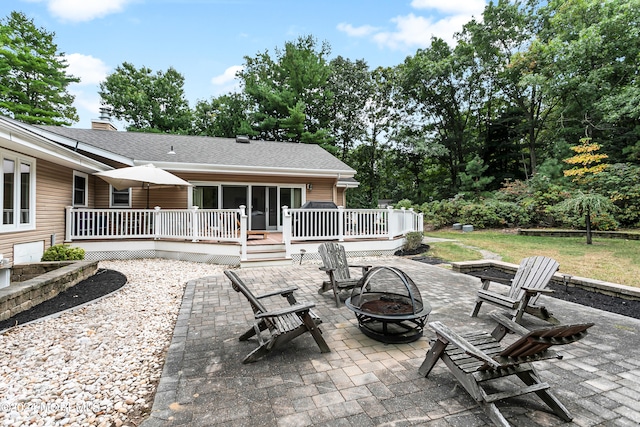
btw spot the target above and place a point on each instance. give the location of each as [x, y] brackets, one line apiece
[239, 187]
[38, 179]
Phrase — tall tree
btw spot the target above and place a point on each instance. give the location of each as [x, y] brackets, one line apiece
[148, 102]
[289, 92]
[441, 97]
[594, 48]
[514, 79]
[225, 116]
[351, 86]
[377, 118]
[33, 74]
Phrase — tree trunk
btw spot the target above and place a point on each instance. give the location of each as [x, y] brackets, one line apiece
[587, 220]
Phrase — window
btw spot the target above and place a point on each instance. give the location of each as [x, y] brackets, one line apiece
[120, 198]
[80, 186]
[25, 190]
[17, 185]
[205, 197]
[8, 191]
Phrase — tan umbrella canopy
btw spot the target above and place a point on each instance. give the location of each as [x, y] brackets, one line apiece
[145, 176]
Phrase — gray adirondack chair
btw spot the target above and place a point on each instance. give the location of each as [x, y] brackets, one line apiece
[282, 325]
[477, 358]
[337, 267]
[530, 280]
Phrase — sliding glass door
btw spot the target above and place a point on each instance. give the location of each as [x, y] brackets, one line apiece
[265, 210]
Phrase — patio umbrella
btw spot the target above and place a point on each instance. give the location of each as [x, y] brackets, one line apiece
[145, 176]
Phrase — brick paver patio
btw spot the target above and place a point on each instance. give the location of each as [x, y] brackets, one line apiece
[363, 382]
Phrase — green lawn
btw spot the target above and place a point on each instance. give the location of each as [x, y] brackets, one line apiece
[611, 260]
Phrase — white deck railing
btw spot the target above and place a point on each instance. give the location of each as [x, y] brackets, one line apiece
[230, 225]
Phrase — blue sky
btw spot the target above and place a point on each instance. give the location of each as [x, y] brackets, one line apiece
[207, 40]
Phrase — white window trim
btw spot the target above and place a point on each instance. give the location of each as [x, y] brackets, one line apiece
[19, 159]
[86, 189]
[111, 205]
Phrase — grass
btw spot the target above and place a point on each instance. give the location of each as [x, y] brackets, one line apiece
[610, 260]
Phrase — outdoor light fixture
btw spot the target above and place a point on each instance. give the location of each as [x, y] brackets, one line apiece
[309, 187]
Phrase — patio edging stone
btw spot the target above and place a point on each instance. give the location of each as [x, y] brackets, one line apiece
[593, 285]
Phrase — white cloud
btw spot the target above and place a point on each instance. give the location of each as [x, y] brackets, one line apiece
[442, 19]
[88, 102]
[462, 7]
[416, 31]
[229, 75]
[352, 31]
[227, 82]
[90, 70]
[85, 10]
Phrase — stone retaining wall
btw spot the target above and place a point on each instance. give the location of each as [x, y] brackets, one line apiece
[593, 285]
[32, 288]
[579, 233]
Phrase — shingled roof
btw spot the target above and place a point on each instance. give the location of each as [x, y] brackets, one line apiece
[206, 153]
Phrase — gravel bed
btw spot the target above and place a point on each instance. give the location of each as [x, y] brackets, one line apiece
[97, 365]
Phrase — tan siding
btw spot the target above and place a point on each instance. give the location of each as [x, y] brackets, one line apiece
[176, 198]
[342, 196]
[54, 185]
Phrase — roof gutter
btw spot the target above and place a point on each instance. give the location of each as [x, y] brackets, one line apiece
[250, 170]
[23, 138]
[75, 145]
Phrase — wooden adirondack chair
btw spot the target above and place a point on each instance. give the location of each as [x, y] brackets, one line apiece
[283, 324]
[479, 357]
[533, 275]
[336, 266]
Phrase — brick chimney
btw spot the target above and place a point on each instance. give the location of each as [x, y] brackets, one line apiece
[104, 122]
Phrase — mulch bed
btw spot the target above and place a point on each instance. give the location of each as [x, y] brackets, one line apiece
[102, 283]
[625, 307]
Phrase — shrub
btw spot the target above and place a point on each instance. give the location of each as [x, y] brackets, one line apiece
[63, 253]
[442, 213]
[404, 203]
[494, 213]
[413, 240]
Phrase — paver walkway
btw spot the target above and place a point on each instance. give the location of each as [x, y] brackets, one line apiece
[363, 382]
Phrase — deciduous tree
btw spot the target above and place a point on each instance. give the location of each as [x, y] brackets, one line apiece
[225, 116]
[147, 101]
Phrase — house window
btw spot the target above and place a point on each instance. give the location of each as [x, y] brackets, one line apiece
[120, 198]
[17, 184]
[80, 189]
[8, 191]
[205, 197]
[25, 193]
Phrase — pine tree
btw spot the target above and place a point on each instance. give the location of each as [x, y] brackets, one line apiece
[33, 77]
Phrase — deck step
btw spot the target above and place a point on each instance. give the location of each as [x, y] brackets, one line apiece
[265, 254]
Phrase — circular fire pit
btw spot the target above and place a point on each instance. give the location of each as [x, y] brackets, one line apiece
[388, 306]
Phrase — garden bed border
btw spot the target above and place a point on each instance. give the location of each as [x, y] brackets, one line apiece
[57, 277]
[593, 285]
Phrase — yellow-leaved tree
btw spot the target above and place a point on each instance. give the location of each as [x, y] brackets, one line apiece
[588, 162]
